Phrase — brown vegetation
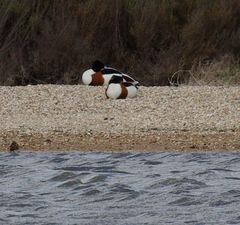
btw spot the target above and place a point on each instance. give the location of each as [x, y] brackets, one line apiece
[53, 41]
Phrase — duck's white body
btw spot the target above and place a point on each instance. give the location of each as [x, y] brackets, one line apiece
[132, 91]
[87, 77]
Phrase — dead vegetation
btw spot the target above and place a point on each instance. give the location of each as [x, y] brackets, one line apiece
[53, 41]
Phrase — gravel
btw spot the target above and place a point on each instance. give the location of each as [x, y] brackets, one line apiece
[79, 109]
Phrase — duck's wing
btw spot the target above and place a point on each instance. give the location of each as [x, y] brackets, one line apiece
[129, 79]
[129, 84]
[110, 71]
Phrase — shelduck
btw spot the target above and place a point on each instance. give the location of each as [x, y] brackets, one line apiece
[119, 89]
[100, 75]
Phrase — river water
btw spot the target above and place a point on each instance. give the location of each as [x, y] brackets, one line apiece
[126, 189]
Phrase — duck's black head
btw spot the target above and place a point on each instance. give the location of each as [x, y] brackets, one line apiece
[116, 80]
[97, 66]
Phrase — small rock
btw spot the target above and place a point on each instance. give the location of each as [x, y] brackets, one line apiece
[193, 146]
[13, 146]
[47, 142]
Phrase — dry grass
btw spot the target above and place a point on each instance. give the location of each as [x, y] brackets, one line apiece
[223, 72]
[217, 73]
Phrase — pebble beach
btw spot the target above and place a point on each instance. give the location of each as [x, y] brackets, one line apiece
[78, 117]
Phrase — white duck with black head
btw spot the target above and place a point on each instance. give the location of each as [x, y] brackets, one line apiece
[118, 89]
[100, 75]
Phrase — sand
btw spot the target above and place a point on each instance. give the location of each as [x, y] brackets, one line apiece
[64, 117]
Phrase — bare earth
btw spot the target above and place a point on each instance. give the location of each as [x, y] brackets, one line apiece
[58, 117]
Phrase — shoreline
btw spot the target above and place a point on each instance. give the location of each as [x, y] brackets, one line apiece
[66, 118]
[150, 142]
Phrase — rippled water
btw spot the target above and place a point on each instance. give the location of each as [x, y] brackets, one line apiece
[98, 188]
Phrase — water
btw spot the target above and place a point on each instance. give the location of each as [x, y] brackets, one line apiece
[125, 189]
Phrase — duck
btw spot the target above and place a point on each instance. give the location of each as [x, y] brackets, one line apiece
[119, 89]
[100, 75]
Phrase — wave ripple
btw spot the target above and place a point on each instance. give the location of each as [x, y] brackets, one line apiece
[127, 189]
